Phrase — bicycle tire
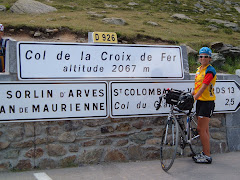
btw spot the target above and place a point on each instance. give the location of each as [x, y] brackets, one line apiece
[169, 144]
[195, 144]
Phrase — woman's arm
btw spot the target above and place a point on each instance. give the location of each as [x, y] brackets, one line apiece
[201, 90]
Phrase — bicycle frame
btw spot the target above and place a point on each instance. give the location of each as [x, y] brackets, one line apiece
[186, 133]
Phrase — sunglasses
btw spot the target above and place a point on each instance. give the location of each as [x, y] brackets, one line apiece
[203, 56]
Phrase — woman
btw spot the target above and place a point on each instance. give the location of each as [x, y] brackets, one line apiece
[205, 80]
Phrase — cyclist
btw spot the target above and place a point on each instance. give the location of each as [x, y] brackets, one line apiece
[3, 42]
[204, 94]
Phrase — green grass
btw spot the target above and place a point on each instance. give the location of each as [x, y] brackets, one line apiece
[230, 65]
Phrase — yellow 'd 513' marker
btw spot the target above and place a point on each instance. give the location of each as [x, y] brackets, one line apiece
[104, 37]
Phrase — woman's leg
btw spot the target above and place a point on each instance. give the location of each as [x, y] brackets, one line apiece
[203, 130]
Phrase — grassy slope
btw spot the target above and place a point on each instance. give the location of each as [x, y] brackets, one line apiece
[194, 33]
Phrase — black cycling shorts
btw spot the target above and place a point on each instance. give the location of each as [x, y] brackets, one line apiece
[205, 108]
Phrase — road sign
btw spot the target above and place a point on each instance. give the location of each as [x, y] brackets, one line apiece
[227, 96]
[137, 98]
[102, 37]
[40, 60]
[31, 101]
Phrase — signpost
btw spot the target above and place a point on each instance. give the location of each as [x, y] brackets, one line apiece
[55, 61]
[145, 64]
[135, 99]
[31, 101]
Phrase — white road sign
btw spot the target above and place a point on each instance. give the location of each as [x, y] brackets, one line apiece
[137, 98]
[31, 101]
[41, 60]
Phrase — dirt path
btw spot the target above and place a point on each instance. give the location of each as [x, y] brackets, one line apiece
[65, 37]
[74, 38]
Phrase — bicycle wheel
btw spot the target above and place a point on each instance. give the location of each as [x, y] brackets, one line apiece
[169, 143]
[195, 143]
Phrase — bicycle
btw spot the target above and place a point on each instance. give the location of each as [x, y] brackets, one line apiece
[176, 131]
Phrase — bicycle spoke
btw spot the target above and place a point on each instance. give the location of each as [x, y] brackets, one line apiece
[169, 145]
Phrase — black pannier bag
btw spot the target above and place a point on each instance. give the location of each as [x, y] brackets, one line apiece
[183, 100]
[172, 96]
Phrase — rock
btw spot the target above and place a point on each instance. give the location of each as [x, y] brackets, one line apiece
[123, 127]
[122, 142]
[69, 161]
[67, 137]
[37, 34]
[190, 51]
[92, 133]
[218, 135]
[104, 142]
[111, 6]
[133, 4]
[226, 49]
[152, 23]
[11, 30]
[56, 150]
[89, 143]
[206, 2]
[139, 138]
[234, 52]
[23, 144]
[135, 153]
[154, 141]
[49, 31]
[116, 21]
[34, 153]
[47, 164]
[2, 8]
[53, 131]
[50, 19]
[91, 123]
[72, 125]
[94, 14]
[24, 165]
[114, 155]
[237, 72]
[197, 5]
[12, 154]
[4, 145]
[178, 2]
[215, 123]
[237, 9]
[107, 129]
[220, 1]
[32, 129]
[138, 124]
[15, 134]
[73, 148]
[217, 60]
[4, 167]
[31, 7]
[181, 17]
[90, 156]
[153, 155]
[217, 46]
[213, 27]
[227, 24]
